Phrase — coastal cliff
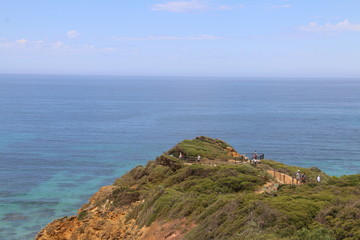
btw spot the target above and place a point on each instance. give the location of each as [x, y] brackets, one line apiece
[204, 189]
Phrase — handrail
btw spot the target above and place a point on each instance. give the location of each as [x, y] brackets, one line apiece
[284, 178]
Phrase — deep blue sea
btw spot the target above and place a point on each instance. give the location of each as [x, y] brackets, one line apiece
[63, 137]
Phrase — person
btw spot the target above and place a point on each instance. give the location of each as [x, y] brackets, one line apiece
[198, 157]
[297, 175]
[318, 179]
[180, 155]
[255, 155]
[303, 178]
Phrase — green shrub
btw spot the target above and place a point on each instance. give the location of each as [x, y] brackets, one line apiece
[315, 234]
[172, 162]
[206, 147]
[82, 215]
[159, 173]
[229, 170]
[346, 180]
[193, 171]
[132, 177]
[300, 211]
[124, 196]
[235, 184]
[343, 218]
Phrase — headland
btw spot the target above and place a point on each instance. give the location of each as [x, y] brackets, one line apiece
[204, 189]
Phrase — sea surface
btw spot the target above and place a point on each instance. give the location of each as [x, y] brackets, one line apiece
[63, 137]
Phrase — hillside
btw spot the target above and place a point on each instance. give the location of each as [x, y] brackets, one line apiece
[221, 196]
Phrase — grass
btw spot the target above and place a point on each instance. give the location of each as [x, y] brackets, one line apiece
[203, 146]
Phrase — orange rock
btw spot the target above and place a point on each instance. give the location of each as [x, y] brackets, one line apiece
[107, 222]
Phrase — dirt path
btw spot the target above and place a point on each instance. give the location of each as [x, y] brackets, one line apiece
[280, 177]
[268, 187]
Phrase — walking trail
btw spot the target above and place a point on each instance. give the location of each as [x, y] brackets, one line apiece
[280, 178]
[283, 178]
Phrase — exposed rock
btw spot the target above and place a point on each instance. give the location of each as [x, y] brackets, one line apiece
[232, 152]
[99, 219]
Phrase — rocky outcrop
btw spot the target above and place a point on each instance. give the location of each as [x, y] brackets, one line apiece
[232, 152]
[95, 220]
[99, 219]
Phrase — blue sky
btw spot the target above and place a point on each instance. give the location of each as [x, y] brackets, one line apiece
[257, 38]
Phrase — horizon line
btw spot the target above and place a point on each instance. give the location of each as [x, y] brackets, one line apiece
[179, 76]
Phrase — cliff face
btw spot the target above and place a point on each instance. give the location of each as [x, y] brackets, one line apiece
[102, 221]
[219, 196]
[95, 220]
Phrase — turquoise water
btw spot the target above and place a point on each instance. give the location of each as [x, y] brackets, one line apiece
[63, 137]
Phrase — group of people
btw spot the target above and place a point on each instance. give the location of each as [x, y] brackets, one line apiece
[253, 159]
[301, 176]
[198, 158]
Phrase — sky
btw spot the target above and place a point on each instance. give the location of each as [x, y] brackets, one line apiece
[218, 38]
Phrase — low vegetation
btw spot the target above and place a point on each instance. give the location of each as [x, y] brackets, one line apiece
[203, 146]
[223, 203]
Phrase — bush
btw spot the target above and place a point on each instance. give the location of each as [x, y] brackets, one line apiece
[206, 147]
[346, 180]
[300, 211]
[343, 218]
[315, 234]
[82, 215]
[159, 173]
[172, 162]
[235, 184]
[124, 196]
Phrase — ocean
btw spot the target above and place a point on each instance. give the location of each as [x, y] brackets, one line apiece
[63, 137]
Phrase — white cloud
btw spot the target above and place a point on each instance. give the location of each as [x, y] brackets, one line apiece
[40, 42]
[345, 26]
[225, 7]
[228, 7]
[57, 44]
[281, 6]
[181, 6]
[22, 41]
[56, 47]
[191, 6]
[72, 34]
[108, 49]
[198, 37]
